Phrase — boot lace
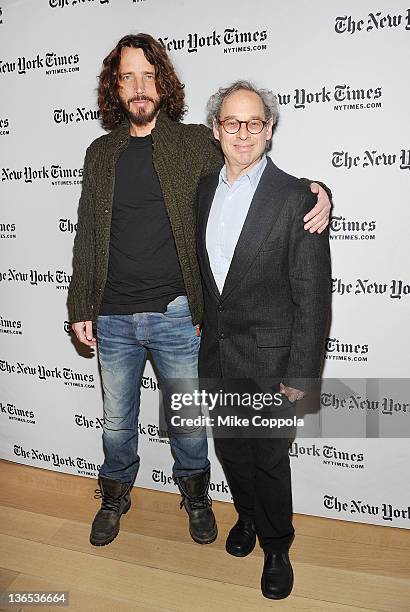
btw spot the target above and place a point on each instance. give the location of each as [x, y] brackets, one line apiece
[196, 503]
[108, 503]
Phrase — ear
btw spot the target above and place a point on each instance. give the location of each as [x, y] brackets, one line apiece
[269, 129]
[215, 129]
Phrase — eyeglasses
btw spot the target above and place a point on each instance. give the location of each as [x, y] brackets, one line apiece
[254, 126]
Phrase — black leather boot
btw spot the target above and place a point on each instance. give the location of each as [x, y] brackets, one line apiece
[277, 577]
[195, 499]
[241, 539]
[116, 500]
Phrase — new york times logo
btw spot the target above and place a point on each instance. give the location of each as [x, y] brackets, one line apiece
[64, 3]
[66, 375]
[61, 115]
[394, 289]
[351, 97]
[387, 512]
[330, 455]
[7, 230]
[336, 350]
[350, 229]
[355, 402]
[56, 174]
[372, 22]
[51, 63]
[371, 159]
[83, 466]
[17, 414]
[59, 278]
[82, 421]
[159, 477]
[10, 326]
[231, 40]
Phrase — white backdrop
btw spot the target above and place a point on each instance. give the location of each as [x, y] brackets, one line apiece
[340, 70]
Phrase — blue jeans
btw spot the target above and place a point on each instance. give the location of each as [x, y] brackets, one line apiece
[123, 343]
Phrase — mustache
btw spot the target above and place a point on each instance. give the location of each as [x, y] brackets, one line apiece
[140, 98]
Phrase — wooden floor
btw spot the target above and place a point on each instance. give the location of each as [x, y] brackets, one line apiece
[154, 565]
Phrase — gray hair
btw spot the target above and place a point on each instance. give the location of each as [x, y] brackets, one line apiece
[270, 101]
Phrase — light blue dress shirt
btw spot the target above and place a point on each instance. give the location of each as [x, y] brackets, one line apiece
[226, 218]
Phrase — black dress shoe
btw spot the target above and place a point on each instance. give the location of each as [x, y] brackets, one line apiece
[277, 576]
[241, 539]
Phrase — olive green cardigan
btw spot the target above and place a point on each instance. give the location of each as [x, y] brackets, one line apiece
[182, 154]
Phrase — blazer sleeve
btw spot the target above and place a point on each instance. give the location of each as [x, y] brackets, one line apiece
[310, 281]
[79, 300]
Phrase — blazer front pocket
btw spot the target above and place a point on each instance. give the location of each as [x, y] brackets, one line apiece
[273, 336]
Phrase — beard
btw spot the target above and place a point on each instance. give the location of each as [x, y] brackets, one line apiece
[141, 117]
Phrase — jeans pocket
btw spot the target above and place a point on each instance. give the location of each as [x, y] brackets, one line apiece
[178, 308]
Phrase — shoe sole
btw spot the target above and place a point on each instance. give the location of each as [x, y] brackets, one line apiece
[95, 542]
[207, 540]
[242, 554]
[277, 598]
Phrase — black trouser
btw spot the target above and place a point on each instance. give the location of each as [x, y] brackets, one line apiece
[258, 474]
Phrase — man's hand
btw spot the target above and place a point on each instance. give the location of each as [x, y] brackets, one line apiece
[84, 332]
[317, 219]
[291, 393]
[198, 330]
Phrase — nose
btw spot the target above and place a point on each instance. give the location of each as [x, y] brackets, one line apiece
[243, 132]
[139, 84]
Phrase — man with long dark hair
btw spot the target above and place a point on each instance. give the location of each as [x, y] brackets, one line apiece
[135, 271]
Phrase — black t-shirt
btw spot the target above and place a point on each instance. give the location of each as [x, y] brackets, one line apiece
[143, 269]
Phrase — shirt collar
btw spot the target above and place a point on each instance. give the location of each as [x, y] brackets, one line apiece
[253, 175]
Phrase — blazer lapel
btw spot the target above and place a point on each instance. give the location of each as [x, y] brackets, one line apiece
[263, 212]
[205, 202]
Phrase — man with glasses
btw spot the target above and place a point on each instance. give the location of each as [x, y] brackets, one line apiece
[267, 288]
[135, 270]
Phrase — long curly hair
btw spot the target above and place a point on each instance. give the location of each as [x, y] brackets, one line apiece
[169, 87]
